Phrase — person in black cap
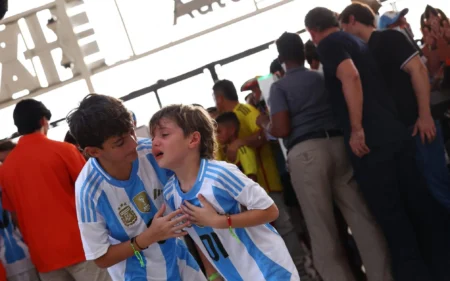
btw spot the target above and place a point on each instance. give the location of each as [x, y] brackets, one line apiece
[382, 152]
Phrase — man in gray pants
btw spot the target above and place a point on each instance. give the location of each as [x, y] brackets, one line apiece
[320, 169]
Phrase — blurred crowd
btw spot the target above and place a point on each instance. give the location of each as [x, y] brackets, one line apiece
[360, 177]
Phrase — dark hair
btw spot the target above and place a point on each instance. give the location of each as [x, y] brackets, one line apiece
[7, 145]
[320, 19]
[28, 114]
[190, 119]
[133, 116]
[3, 8]
[227, 89]
[197, 104]
[229, 118]
[70, 139]
[290, 48]
[211, 109]
[362, 13]
[311, 52]
[98, 118]
[276, 66]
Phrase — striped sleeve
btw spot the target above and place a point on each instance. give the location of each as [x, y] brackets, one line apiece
[244, 190]
[93, 229]
[168, 193]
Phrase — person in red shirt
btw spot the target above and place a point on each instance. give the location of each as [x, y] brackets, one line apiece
[38, 181]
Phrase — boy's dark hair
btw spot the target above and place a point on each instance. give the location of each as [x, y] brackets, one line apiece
[320, 19]
[211, 109]
[28, 114]
[290, 48]
[311, 52]
[227, 88]
[362, 13]
[190, 119]
[70, 139]
[98, 118]
[7, 145]
[3, 8]
[229, 118]
[276, 66]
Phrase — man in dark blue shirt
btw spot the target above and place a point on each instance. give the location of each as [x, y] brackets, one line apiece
[408, 82]
[381, 149]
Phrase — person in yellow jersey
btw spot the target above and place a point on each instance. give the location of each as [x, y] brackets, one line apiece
[227, 132]
[251, 135]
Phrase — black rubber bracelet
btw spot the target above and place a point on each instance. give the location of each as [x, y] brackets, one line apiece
[133, 240]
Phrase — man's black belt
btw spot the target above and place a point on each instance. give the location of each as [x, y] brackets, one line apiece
[315, 135]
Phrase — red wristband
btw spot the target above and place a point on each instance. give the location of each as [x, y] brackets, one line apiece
[229, 221]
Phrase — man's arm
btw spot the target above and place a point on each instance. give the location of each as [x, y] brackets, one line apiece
[419, 78]
[351, 87]
[406, 57]
[279, 124]
[255, 140]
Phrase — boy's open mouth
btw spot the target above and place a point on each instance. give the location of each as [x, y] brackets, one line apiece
[159, 155]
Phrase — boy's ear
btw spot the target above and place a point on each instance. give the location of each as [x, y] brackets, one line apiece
[92, 151]
[195, 139]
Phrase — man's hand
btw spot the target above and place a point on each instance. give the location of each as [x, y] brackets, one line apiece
[232, 150]
[358, 143]
[262, 120]
[201, 216]
[426, 127]
[163, 228]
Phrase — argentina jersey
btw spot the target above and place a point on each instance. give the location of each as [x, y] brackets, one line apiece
[14, 253]
[111, 211]
[261, 253]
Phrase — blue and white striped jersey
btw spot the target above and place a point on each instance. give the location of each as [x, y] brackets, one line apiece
[14, 253]
[261, 253]
[112, 211]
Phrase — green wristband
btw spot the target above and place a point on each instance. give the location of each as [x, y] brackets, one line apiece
[213, 276]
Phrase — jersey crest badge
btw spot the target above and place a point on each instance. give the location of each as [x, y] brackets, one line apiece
[142, 202]
[127, 215]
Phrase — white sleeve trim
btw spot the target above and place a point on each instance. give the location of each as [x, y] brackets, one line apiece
[101, 252]
[409, 59]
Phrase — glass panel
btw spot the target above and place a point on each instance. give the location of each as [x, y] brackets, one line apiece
[143, 107]
[62, 100]
[197, 89]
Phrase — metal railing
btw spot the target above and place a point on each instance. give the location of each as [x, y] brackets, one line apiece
[164, 83]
